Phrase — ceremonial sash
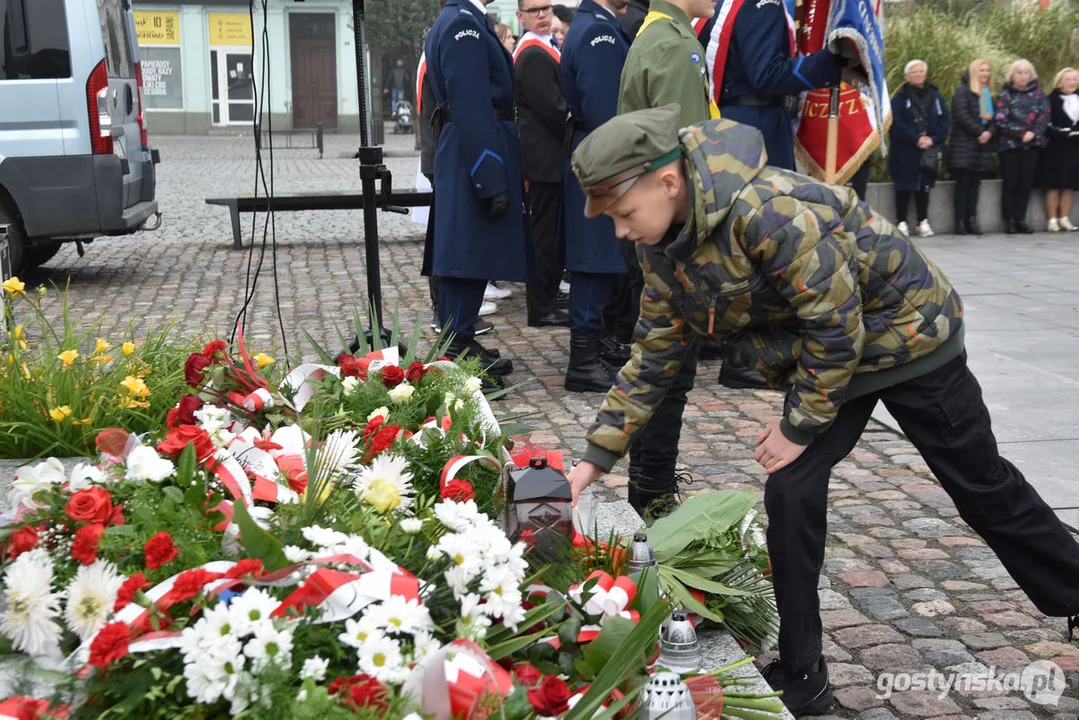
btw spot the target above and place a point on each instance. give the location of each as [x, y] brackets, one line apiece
[719, 42]
[421, 73]
[531, 40]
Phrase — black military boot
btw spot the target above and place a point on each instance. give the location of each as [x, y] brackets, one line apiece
[614, 352]
[805, 693]
[740, 377]
[1073, 625]
[587, 371]
[491, 360]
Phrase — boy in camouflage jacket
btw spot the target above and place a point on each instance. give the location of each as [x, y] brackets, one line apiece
[835, 307]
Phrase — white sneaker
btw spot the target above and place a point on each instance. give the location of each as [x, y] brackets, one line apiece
[903, 228]
[563, 286]
[488, 308]
[1054, 225]
[924, 230]
[1066, 224]
[493, 292]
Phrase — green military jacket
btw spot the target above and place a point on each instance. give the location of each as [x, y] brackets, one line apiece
[799, 279]
[665, 65]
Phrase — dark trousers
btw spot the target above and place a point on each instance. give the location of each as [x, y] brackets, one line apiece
[902, 204]
[654, 452]
[589, 296]
[967, 183]
[1017, 170]
[459, 301]
[860, 180]
[546, 204]
[943, 415]
[625, 308]
[428, 246]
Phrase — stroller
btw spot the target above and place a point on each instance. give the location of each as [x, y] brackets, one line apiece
[402, 114]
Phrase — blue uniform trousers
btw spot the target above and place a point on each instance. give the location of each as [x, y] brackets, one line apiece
[589, 296]
[459, 301]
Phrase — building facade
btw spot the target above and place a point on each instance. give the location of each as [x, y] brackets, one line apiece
[200, 74]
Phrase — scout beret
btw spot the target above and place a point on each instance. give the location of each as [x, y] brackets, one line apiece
[619, 151]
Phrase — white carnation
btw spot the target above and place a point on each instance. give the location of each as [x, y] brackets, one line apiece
[145, 464]
[402, 393]
[350, 385]
[30, 479]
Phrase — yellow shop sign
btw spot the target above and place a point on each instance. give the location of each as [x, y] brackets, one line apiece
[156, 27]
[230, 29]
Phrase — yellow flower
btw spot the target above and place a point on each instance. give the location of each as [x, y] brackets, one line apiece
[101, 346]
[135, 386]
[324, 494]
[382, 495]
[14, 286]
[263, 360]
[68, 356]
[130, 402]
[41, 291]
[128, 348]
[25, 371]
[19, 336]
[101, 358]
[59, 414]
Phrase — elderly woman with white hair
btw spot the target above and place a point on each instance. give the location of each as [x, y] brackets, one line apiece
[919, 129]
[1022, 119]
[1058, 165]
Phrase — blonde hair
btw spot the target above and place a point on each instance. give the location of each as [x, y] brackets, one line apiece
[1020, 64]
[975, 86]
[503, 31]
[1060, 76]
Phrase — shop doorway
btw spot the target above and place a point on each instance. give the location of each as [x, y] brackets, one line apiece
[232, 78]
[313, 43]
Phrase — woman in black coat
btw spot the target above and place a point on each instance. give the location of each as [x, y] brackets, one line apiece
[971, 143]
[919, 123]
[1058, 165]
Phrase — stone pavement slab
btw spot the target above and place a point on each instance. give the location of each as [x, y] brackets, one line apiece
[884, 503]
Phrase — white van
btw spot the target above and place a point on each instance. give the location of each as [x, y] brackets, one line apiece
[75, 159]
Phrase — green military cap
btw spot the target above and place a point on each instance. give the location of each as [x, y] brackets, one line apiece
[622, 149]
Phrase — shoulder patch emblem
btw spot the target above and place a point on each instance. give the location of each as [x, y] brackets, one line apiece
[695, 57]
[602, 39]
[467, 33]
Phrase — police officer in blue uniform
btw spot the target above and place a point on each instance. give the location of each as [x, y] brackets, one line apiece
[481, 224]
[592, 57]
[749, 45]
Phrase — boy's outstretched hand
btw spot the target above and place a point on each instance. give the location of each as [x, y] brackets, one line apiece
[582, 476]
[774, 450]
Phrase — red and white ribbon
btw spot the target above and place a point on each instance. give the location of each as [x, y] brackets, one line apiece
[232, 475]
[450, 682]
[459, 462]
[19, 707]
[258, 400]
[261, 466]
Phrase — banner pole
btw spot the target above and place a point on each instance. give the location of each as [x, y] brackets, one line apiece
[832, 148]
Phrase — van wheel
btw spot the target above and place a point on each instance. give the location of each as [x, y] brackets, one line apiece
[15, 236]
[37, 255]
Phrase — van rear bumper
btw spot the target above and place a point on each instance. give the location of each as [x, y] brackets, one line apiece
[78, 196]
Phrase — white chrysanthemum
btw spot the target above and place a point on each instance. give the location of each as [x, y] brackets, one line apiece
[349, 385]
[29, 479]
[398, 615]
[322, 537]
[402, 393]
[90, 597]
[84, 475]
[424, 644]
[338, 455]
[269, 646]
[457, 515]
[357, 632]
[381, 658]
[296, 554]
[474, 628]
[215, 623]
[472, 385]
[250, 609]
[213, 672]
[314, 668]
[411, 526]
[30, 605]
[386, 484]
[458, 577]
[461, 550]
[352, 545]
[145, 464]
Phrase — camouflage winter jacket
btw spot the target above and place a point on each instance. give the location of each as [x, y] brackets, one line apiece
[799, 279]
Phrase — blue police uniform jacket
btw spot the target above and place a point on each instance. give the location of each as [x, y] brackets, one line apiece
[759, 62]
[592, 57]
[478, 154]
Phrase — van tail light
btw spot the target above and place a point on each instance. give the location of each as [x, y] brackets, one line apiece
[97, 101]
[143, 135]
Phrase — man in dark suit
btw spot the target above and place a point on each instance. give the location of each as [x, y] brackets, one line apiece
[541, 122]
[482, 228]
[634, 17]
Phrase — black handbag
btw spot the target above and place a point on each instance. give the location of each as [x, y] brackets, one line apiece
[932, 160]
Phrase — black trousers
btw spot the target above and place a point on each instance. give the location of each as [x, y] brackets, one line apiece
[902, 204]
[428, 247]
[943, 415]
[589, 296]
[967, 183]
[1017, 170]
[546, 204]
[860, 180]
[621, 315]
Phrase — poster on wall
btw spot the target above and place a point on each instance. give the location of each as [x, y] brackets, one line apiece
[230, 29]
[162, 81]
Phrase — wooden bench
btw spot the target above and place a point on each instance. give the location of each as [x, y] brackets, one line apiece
[294, 202]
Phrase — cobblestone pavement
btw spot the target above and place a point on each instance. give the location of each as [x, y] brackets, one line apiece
[906, 585]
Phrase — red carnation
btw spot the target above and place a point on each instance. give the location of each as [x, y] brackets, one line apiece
[190, 583]
[392, 376]
[551, 697]
[179, 438]
[127, 592]
[23, 539]
[194, 368]
[159, 550]
[384, 438]
[360, 691]
[87, 538]
[458, 491]
[349, 366]
[245, 568]
[109, 644]
[527, 675]
[415, 372]
[372, 425]
[184, 413]
[213, 348]
[93, 505]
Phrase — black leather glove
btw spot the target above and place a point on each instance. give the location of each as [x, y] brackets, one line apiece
[497, 206]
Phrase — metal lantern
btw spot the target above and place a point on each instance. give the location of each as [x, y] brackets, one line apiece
[667, 696]
[678, 648]
[539, 508]
[641, 555]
